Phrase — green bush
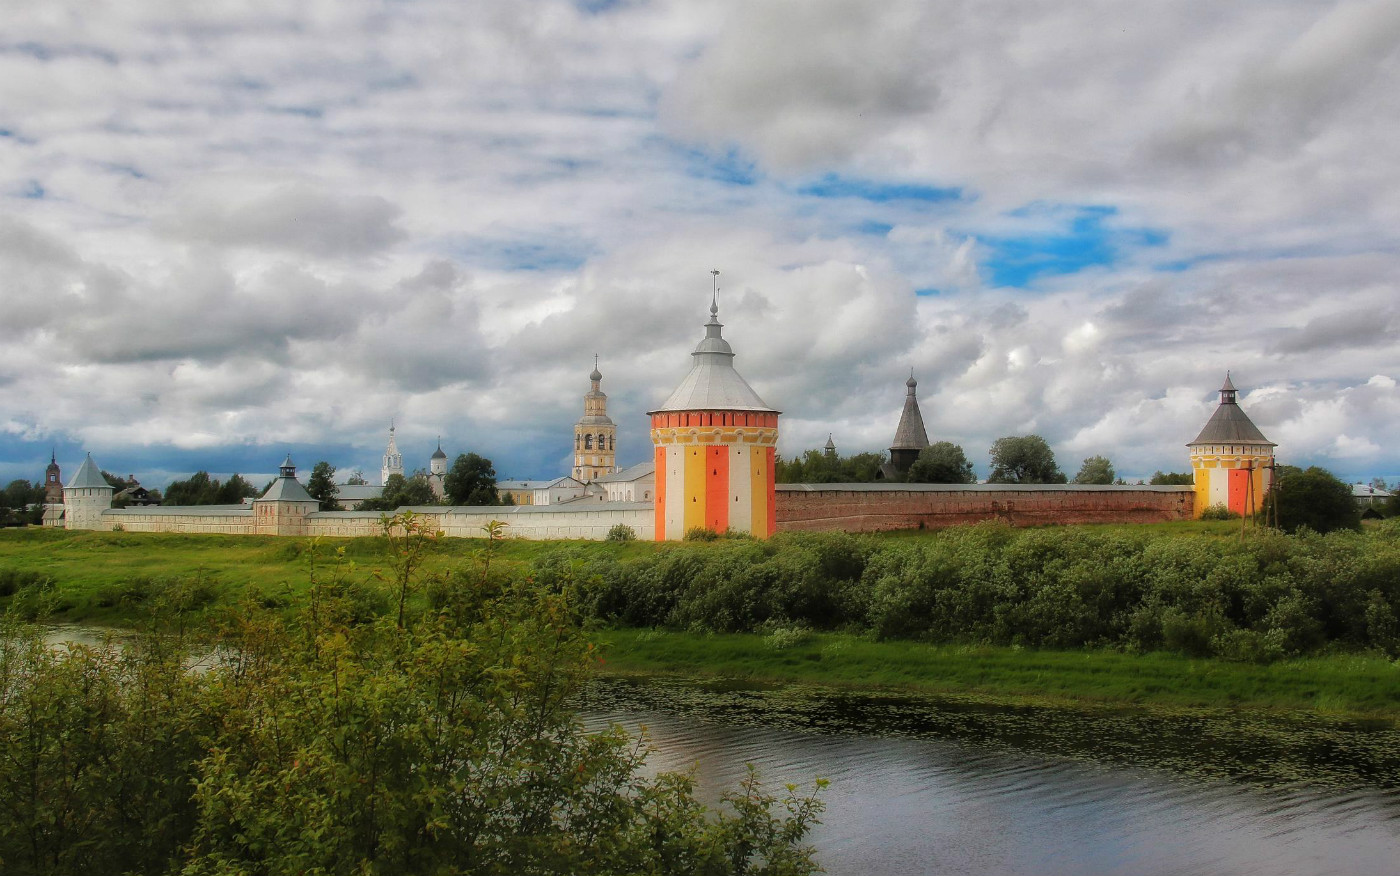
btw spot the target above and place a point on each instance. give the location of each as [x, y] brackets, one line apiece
[622, 532]
[1219, 511]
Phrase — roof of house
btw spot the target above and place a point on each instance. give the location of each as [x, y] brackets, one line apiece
[633, 473]
[713, 384]
[88, 476]
[1366, 491]
[1229, 424]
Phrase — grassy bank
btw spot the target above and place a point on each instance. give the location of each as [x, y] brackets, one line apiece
[1341, 686]
[1105, 614]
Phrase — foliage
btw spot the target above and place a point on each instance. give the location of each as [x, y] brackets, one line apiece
[201, 489]
[471, 481]
[1172, 479]
[700, 533]
[21, 503]
[941, 463]
[1314, 499]
[622, 532]
[1218, 511]
[815, 467]
[1096, 470]
[327, 742]
[402, 492]
[1025, 459]
[356, 479]
[322, 487]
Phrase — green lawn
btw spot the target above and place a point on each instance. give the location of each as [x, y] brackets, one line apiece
[1342, 685]
[90, 571]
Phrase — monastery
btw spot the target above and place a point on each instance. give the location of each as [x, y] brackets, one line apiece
[714, 452]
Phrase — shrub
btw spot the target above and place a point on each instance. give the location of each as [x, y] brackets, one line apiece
[622, 532]
[700, 533]
[1219, 511]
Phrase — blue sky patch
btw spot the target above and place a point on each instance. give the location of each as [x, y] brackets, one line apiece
[524, 254]
[1083, 241]
[730, 167]
[32, 190]
[877, 191]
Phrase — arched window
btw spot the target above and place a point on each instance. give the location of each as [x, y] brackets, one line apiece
[602, 441]
[588, 441]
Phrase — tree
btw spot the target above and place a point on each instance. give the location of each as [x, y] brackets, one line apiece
[199, 489]
[402, 492]
[815, 467]
[1379, 484]
[1025, 459]
[941, 463]
[1096, 470]
[321, 486]
[471, 481]
[235, 490]
[1314, 498]
[356, 479]
[1172, 479]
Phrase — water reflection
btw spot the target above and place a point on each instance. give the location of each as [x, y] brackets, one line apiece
[927, 785]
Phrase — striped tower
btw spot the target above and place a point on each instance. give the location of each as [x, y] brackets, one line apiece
[715, 441]
[1231, 460]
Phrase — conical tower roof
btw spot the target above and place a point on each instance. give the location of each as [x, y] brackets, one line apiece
[88, 476]
[1229, 424]
[713, 384]
[910, 434]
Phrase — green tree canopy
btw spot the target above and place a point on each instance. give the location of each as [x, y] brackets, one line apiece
[356, 479]
[1024, 459]
[1172, 479]
[201, 489]
[941, 463]
[402, 492]
[1096, 470]
[471, 481]
[815, 467]
[1314, 498]
[321, 486]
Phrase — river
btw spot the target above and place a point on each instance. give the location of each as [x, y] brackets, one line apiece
[937, 785]
[947, 785]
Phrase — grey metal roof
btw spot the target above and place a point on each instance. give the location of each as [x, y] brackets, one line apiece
[286, 489]
[88, 476]
[910, 433]
[713, 384]
[438, 454]
[357, 492]
[632, 473]
[1229, 425]
[171, 510]
[596, 420]
[1228, 386]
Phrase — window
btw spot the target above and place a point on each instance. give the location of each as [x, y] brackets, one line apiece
[588, 442]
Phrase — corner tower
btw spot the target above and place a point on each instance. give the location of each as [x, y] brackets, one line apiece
[1231, 460]
[86, 496]
[595, 434]
[714, 442]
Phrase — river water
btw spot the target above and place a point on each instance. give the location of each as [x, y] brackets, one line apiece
[948, 786]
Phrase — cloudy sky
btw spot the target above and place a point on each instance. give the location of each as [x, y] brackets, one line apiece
[229, 230]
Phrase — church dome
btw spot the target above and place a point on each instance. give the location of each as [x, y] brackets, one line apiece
[713, 384]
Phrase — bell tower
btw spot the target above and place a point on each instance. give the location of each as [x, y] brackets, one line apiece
[595, 434]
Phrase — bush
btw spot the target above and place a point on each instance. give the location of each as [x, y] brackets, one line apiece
[1219, 511]
[700, 533]
[622, 532]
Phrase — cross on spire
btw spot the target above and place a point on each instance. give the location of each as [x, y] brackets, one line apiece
[714, 300]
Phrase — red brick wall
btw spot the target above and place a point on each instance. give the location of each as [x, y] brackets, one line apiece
[823, 507]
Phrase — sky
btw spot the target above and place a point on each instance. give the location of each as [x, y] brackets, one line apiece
[234, 229]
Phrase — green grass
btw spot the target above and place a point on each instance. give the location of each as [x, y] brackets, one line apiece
[1343, 685]
[90, 571]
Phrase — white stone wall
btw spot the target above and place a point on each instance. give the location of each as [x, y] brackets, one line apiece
[188, 520]
[588, 522]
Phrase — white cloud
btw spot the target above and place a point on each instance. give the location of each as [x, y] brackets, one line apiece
[243, 224]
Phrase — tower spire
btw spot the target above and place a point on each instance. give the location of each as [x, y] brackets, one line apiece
[714, 298]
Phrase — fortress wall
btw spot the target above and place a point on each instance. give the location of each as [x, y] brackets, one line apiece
[877, 507]
[191, 519]
[591, 522]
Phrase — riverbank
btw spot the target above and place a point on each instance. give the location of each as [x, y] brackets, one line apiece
[1342, 686]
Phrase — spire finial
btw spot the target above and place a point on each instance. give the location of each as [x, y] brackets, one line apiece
[714, 300]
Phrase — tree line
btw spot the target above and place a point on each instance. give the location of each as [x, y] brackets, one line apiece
[470, 480]
[1016, 459]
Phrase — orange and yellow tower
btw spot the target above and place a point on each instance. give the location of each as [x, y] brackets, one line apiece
[715, 441]
[1231, 460]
